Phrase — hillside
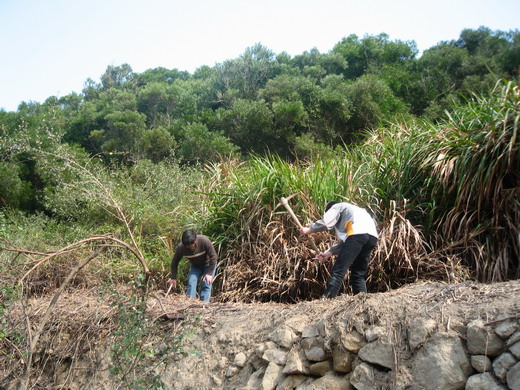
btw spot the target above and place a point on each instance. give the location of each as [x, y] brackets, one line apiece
[422, 336]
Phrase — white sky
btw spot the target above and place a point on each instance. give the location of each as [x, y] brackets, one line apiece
[50, 47]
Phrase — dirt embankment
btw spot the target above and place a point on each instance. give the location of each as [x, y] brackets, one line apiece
[392, 340]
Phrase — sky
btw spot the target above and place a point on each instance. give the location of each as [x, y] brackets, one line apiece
[51, 47]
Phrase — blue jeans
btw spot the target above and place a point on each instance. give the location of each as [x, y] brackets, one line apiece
[354, 254]
[193, 280]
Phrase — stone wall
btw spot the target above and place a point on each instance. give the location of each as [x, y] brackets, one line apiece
[474, 356]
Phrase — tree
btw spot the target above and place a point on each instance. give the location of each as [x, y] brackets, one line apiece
[199, 145]
[156, 144]
[117, 76]
[248, 73]
[372, 102]
[249, 125]
[372, 52]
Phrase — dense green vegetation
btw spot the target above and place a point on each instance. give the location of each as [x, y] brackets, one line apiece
[428, 144]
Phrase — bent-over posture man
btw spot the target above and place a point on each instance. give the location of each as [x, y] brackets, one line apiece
[199, 250]
[358, 237]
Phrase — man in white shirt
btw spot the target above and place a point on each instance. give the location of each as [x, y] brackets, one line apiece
[358, 237]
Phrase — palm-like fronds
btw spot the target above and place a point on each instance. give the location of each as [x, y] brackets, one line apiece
[477, 174]
[446, 199]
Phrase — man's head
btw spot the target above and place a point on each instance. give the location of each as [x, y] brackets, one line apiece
[330, 204]
[189, 237]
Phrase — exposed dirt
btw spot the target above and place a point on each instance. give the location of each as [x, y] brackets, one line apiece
[190, 345]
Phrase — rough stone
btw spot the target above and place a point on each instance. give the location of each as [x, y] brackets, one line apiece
[256, 361]
[515, 349]
[372, 333]
[240, 359]
[378, 352]
[284, 337]
[314, 349]
[223, 362]
[342, 360]
[320, 368]
[362, 377]
[458, 327]
[515, 338]
[262, 347]
[271, 377]
[484, 381]
[482, 340]
[502, 364]
[359, 325]
[232, 371]
[506, 329]
[441, 363]
[296, 363]
[275, 356]
[297, 324]
[328, 382]
[255, 380]
[481, 363]
[513, 377]
[291, 382]
[419, 331]
[310, 331]
[353, 341]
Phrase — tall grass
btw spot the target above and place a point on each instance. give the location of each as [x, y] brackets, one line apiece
[445, 198]
[476, 172]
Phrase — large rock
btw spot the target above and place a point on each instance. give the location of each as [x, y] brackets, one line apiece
[441, 363]
[482, 340]
[372, 333]
[291, 382]
[502, 364]
[353, 341]
[419, 331]
[515, 338]
[240, 359]
[310, 331]
[342, 360]
[284, 337]
[484, 381]
[320, 368]
[378, 352]
[481, 363]
[513, 377]
[506, 328]
[296, 363]
[362, 377]
[515, 349]
[314, 349]
[255, 380]
[275, 355]
[327, 382]
[273, 375]
[297, 324]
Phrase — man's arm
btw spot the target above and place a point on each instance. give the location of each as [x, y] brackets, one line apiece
[212, 254]
[175, 263]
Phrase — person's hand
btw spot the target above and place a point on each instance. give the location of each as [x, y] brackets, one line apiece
[323, 256]
[305, 230]
[172, 283]
[208, 279]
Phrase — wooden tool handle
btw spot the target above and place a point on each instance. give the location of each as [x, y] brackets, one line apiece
[297, 222]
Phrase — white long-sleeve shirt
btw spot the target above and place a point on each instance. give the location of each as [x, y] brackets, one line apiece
[347, 220]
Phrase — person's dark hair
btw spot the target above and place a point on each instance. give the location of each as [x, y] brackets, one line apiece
[188, 237]
[330, 204]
